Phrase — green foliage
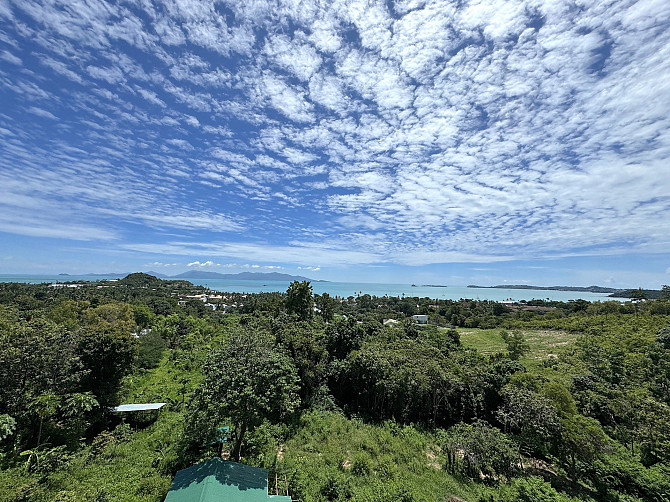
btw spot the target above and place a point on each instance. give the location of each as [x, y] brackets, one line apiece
[36, 357]
[246, 381]
[299, 300]
[144, 316]
[331, 457]
[46, 461]
[7, 426]
[343, 336]
[326, 306]
[150, 350]
[619, 471]
[531, 489]
[531, 418]
[586, 396]
[561, 398]
[307, 350]
[480, 450]
[140, 280]
[517, 345]
[583, 442]
[658, 370]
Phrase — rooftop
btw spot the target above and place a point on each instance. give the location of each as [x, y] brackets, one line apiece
[137, 407]
[219, 480]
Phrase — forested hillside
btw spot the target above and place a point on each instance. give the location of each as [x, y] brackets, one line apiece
[540, 401]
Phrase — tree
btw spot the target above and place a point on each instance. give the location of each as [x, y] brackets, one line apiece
[299, 300]
[107, 349]
[517, 345]
[481, 450]
[36, 358]
[561, 398]
[326, 306]
[658, 368]
[144, 316]
[44, 406]
[344, 336]
[246, 381]
[307, 349]
[638, 295]
[150, 350]
[530, 417]
[583, 441]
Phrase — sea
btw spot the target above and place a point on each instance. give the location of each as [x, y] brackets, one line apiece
[346, 289]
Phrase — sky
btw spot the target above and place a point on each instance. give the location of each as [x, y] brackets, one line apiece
[459, 142]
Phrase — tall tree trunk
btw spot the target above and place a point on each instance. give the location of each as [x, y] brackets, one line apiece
[237, 450]
[39, 433]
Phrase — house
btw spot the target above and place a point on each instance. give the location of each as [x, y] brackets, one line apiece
[218, 480]
[420, 319]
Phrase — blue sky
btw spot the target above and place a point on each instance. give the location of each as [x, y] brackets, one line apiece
[460, 142]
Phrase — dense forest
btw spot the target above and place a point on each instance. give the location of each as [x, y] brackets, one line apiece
[347, 398]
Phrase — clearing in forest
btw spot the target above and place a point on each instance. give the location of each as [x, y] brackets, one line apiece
[543, 343]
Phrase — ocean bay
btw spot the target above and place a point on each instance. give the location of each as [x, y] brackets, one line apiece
[346, 289]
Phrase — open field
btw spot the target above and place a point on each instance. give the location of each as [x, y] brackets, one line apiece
[543, 343]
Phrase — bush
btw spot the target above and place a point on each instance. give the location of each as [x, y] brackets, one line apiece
[481, 450]
[336, 487]
[531, 489]
[361, 466]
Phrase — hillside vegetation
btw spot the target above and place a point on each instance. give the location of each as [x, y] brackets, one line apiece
[487, 403]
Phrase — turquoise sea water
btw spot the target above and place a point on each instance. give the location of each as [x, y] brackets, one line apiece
[345, 289]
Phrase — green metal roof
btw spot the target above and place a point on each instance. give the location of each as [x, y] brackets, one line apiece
[219, 480]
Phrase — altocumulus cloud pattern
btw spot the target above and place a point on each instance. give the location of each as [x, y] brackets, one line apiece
[410, 132]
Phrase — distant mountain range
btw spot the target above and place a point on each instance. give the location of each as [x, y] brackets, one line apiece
[199, 274]
[242, 276]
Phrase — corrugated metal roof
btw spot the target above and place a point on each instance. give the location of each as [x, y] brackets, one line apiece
[138, 407]
[219, 480]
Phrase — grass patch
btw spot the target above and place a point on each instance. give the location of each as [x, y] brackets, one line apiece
[484, 341]
[335, 458]
[543, 344]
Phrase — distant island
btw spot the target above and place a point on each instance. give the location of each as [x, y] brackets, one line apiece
[589, 289]
[433, 286]
[611, 292]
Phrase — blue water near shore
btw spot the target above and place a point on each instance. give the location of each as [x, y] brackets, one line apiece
[346, 289]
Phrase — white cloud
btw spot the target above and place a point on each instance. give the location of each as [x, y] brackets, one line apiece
[293, 253]
[285, 99]
[11, 58]
[359, 132]
[110, 75]
[206, 264]
[157, 264]
[298, 58]
[42, 113]
[152, 97]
